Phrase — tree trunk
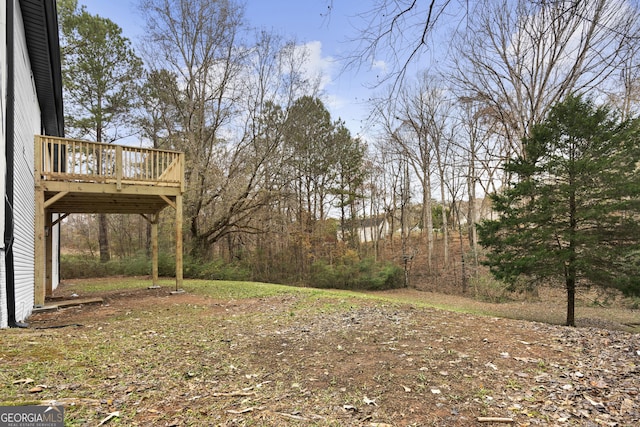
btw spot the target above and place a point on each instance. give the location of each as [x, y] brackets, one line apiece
[445, 223]
[103, 238]
[571, 301]
[428, 221]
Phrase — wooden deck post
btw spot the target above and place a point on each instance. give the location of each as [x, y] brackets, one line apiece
[39, 249]
[179, 242]
[154, 249]
[48, 267]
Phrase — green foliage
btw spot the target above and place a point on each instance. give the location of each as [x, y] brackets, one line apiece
[348, 273]
[215, 270]
[75, 267]
[78, 267]
[82, 266]
[487, 288]
[357, 275]
[571, 213]
[100, 72]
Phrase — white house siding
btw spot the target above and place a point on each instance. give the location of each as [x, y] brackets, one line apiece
[27, 124]
[3, 169]
[4, 316]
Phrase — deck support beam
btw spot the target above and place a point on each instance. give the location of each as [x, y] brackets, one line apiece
[48, 275]
[154, 249]
[39, 248]
[178, 242]
[70, 177]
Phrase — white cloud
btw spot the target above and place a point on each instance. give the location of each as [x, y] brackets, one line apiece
[339, 92]
[316, 65]
[379, 65]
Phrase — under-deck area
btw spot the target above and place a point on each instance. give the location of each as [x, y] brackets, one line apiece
[74, 176]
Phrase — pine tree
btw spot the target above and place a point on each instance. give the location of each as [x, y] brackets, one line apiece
[572, 216]
[100, 77]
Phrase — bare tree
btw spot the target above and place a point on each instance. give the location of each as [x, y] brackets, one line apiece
[480, 152]
[425, 135]
[407, 124]
[520, 58]
[197, 40]
[440, 133]
[400, 32]
[624, 91]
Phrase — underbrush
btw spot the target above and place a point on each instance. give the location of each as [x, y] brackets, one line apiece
[485, 287]
[82, 267]
[350, 274]
[357, 275]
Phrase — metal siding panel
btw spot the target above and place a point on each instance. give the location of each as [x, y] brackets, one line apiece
[4, 315]
[3, 169]
[27, 124]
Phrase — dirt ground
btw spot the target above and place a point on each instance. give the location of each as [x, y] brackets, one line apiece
[150, 358]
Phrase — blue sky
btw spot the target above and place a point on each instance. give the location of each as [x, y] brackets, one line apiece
[307, 23]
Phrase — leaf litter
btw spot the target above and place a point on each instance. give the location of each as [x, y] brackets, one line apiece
[147, 359]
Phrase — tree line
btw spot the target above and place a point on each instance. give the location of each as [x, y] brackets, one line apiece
[275, 181]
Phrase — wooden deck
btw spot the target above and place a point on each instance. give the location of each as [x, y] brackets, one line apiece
[75, 176]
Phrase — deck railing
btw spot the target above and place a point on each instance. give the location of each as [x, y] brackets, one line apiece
[64, 159]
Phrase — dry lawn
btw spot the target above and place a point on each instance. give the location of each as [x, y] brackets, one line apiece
[232, 354]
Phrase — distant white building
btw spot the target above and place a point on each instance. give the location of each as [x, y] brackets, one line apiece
[483, 210]
[30, 104]
[366, 229]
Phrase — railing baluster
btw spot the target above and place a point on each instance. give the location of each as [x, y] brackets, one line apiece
[59, 158]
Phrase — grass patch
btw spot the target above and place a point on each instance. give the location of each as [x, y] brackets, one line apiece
[547, 307]
[243, 353]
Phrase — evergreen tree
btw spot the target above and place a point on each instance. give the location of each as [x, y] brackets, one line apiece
[100, 72]
[350, 177]
[572, 215]
[309, 136]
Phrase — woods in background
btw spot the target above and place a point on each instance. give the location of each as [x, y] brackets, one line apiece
[279, 187]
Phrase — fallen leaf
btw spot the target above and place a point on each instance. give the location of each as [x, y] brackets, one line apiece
[599, 384]
[368, 401]
[627, 405]
[242, 411]
[109, 417]
[292, 416]
[598, 405]
[36, 389]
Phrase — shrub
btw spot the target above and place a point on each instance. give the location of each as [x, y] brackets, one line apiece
[82, 266]
[215, 270]
[348, 272]
[486, 288]
[358, 275]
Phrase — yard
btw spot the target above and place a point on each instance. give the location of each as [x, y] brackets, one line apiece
[239, 354]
